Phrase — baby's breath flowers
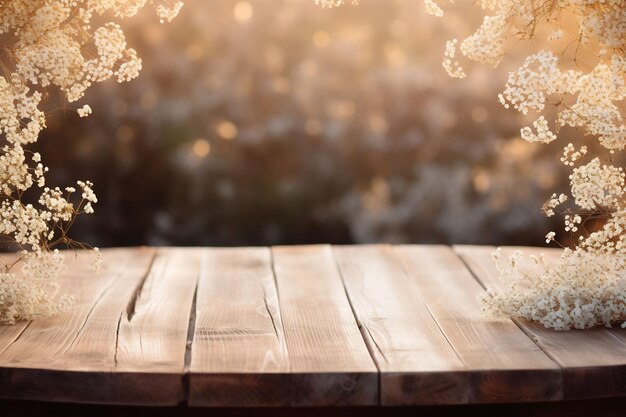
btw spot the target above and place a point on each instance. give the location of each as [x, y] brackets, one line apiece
[334, 3]
[584, 289]
[587, 286]
[452, 67]
[50, 44]
[84, 111]
[32, 294]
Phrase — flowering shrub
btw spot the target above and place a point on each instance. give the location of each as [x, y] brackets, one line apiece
[587, 286]
[50, 45]
[582, 87]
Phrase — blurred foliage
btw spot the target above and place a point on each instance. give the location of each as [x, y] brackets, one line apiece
[277, 122]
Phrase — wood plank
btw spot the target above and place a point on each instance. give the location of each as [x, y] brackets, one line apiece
[593, 361]
[505, 364]
[153, 333]
[71, 357]
[239, 353]
[417, 364]
[329, 361]
[52, 342]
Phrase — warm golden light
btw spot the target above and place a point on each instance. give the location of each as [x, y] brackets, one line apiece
[243, 11]
[299, 109]
[308, 68]
[321, 39]
[481, 181]
[226, 130]
[201, 148]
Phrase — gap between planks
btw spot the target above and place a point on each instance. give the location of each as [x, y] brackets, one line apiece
[95, 353]
[281, 334]
[459, 250]
[592, 361]
[419, 303]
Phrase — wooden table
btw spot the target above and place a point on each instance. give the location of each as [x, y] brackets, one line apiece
[298, 326]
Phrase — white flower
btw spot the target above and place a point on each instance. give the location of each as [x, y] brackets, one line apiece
[433, 8]
[586, 286]
[50, 44]
[84, 111]
[452, 67]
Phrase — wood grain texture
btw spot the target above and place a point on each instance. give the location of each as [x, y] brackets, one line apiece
[593, 361]
[153, 332]
[239, 353]
[505, 365]
[298, 326]
[71, 357]
[329, 361]
[417, 364]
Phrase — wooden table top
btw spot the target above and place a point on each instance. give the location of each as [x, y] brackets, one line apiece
[298, 326]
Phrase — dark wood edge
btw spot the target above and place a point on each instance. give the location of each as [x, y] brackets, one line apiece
[493, 386]
[424, 388]
[84, 387]
[592, 382]
[502, 386]
[317, 389]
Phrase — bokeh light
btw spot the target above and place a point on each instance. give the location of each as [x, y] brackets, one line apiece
[278, 122]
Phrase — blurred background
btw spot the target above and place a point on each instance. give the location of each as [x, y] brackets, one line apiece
[264, 122]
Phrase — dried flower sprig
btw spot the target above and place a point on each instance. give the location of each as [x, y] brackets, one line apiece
[587, 286]
[50, 44]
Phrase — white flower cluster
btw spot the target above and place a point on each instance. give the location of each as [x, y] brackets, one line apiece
[168, 12]
[571, 221]
[52, 44]
[552, 203]
[34, 292]
[84, 111]
[596, 186]
[543, 132]
[562, 295]
[452, 67]
[433, 8]
[486, 45]
[586, 287]
[571, 155]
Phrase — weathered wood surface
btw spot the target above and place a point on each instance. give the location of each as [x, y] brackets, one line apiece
[298, 326]
[417, 363]
[239, 355]
[483, 357]
[593, 362]
[126, 335]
